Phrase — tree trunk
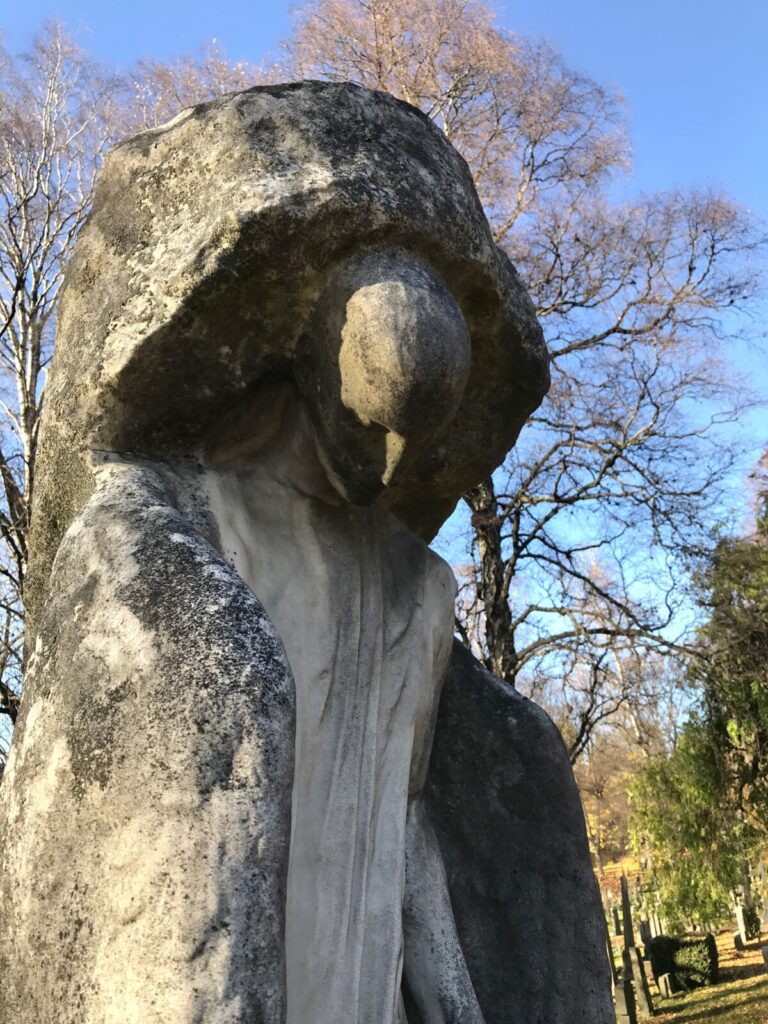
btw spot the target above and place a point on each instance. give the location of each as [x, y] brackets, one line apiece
[492, 588]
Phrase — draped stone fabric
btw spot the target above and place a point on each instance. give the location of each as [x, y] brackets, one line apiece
[365, 610]
[287, 345]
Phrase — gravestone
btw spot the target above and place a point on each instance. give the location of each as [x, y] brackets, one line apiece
[762, 877]
[633, 963]
[655, 924]
[254, 779]
[626, 1010]
[626, 915]
[666, 983]
[639, 974]
[741, 925]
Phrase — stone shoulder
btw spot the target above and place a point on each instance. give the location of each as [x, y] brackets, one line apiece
[442, 577]
[437, 572]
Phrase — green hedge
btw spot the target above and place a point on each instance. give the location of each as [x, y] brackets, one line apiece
[751, 923]
[691, 960]
[661, 952]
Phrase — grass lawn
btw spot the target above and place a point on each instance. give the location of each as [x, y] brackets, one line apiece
[741, 996]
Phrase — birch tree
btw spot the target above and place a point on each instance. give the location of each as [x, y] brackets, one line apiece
[57, 109]
[60, 111]
[158, 90]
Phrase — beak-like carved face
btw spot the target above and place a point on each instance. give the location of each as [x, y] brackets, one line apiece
[383, 368]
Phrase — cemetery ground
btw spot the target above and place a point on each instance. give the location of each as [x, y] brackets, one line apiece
[740, 997]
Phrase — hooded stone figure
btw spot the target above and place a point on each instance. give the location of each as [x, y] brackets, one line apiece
[254, 778]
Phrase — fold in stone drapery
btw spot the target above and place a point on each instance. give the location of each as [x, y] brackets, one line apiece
[365, 612]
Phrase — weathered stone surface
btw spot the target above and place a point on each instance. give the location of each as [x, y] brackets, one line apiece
[287, 345]
[366, 610]
[667, 987]
[211, 239]
[146, 805]
[508, 818]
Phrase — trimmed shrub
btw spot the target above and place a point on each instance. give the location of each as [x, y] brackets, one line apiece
[696, 962]
[751, 923]
[691, 960]
[661, 952]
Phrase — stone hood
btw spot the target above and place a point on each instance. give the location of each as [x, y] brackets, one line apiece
[209, 241]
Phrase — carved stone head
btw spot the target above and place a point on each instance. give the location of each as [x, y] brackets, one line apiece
[383, 365]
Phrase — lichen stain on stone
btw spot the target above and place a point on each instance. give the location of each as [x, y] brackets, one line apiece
[45, 785]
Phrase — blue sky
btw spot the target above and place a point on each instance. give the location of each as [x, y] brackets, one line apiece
[693, 72]
[694, 76]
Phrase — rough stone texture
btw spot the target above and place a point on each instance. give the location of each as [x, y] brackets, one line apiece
[146, 805]
[211, 239]
[508, 818]
[286, 346]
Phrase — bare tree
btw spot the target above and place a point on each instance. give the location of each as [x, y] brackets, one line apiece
[578, 545]
[59, 113]
[581, 544]
[56, 111]
[158, 91]
[575, 546]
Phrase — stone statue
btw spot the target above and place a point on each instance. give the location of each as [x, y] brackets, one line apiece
[287, 345]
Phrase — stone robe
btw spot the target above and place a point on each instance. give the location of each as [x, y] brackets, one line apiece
[365, 611]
